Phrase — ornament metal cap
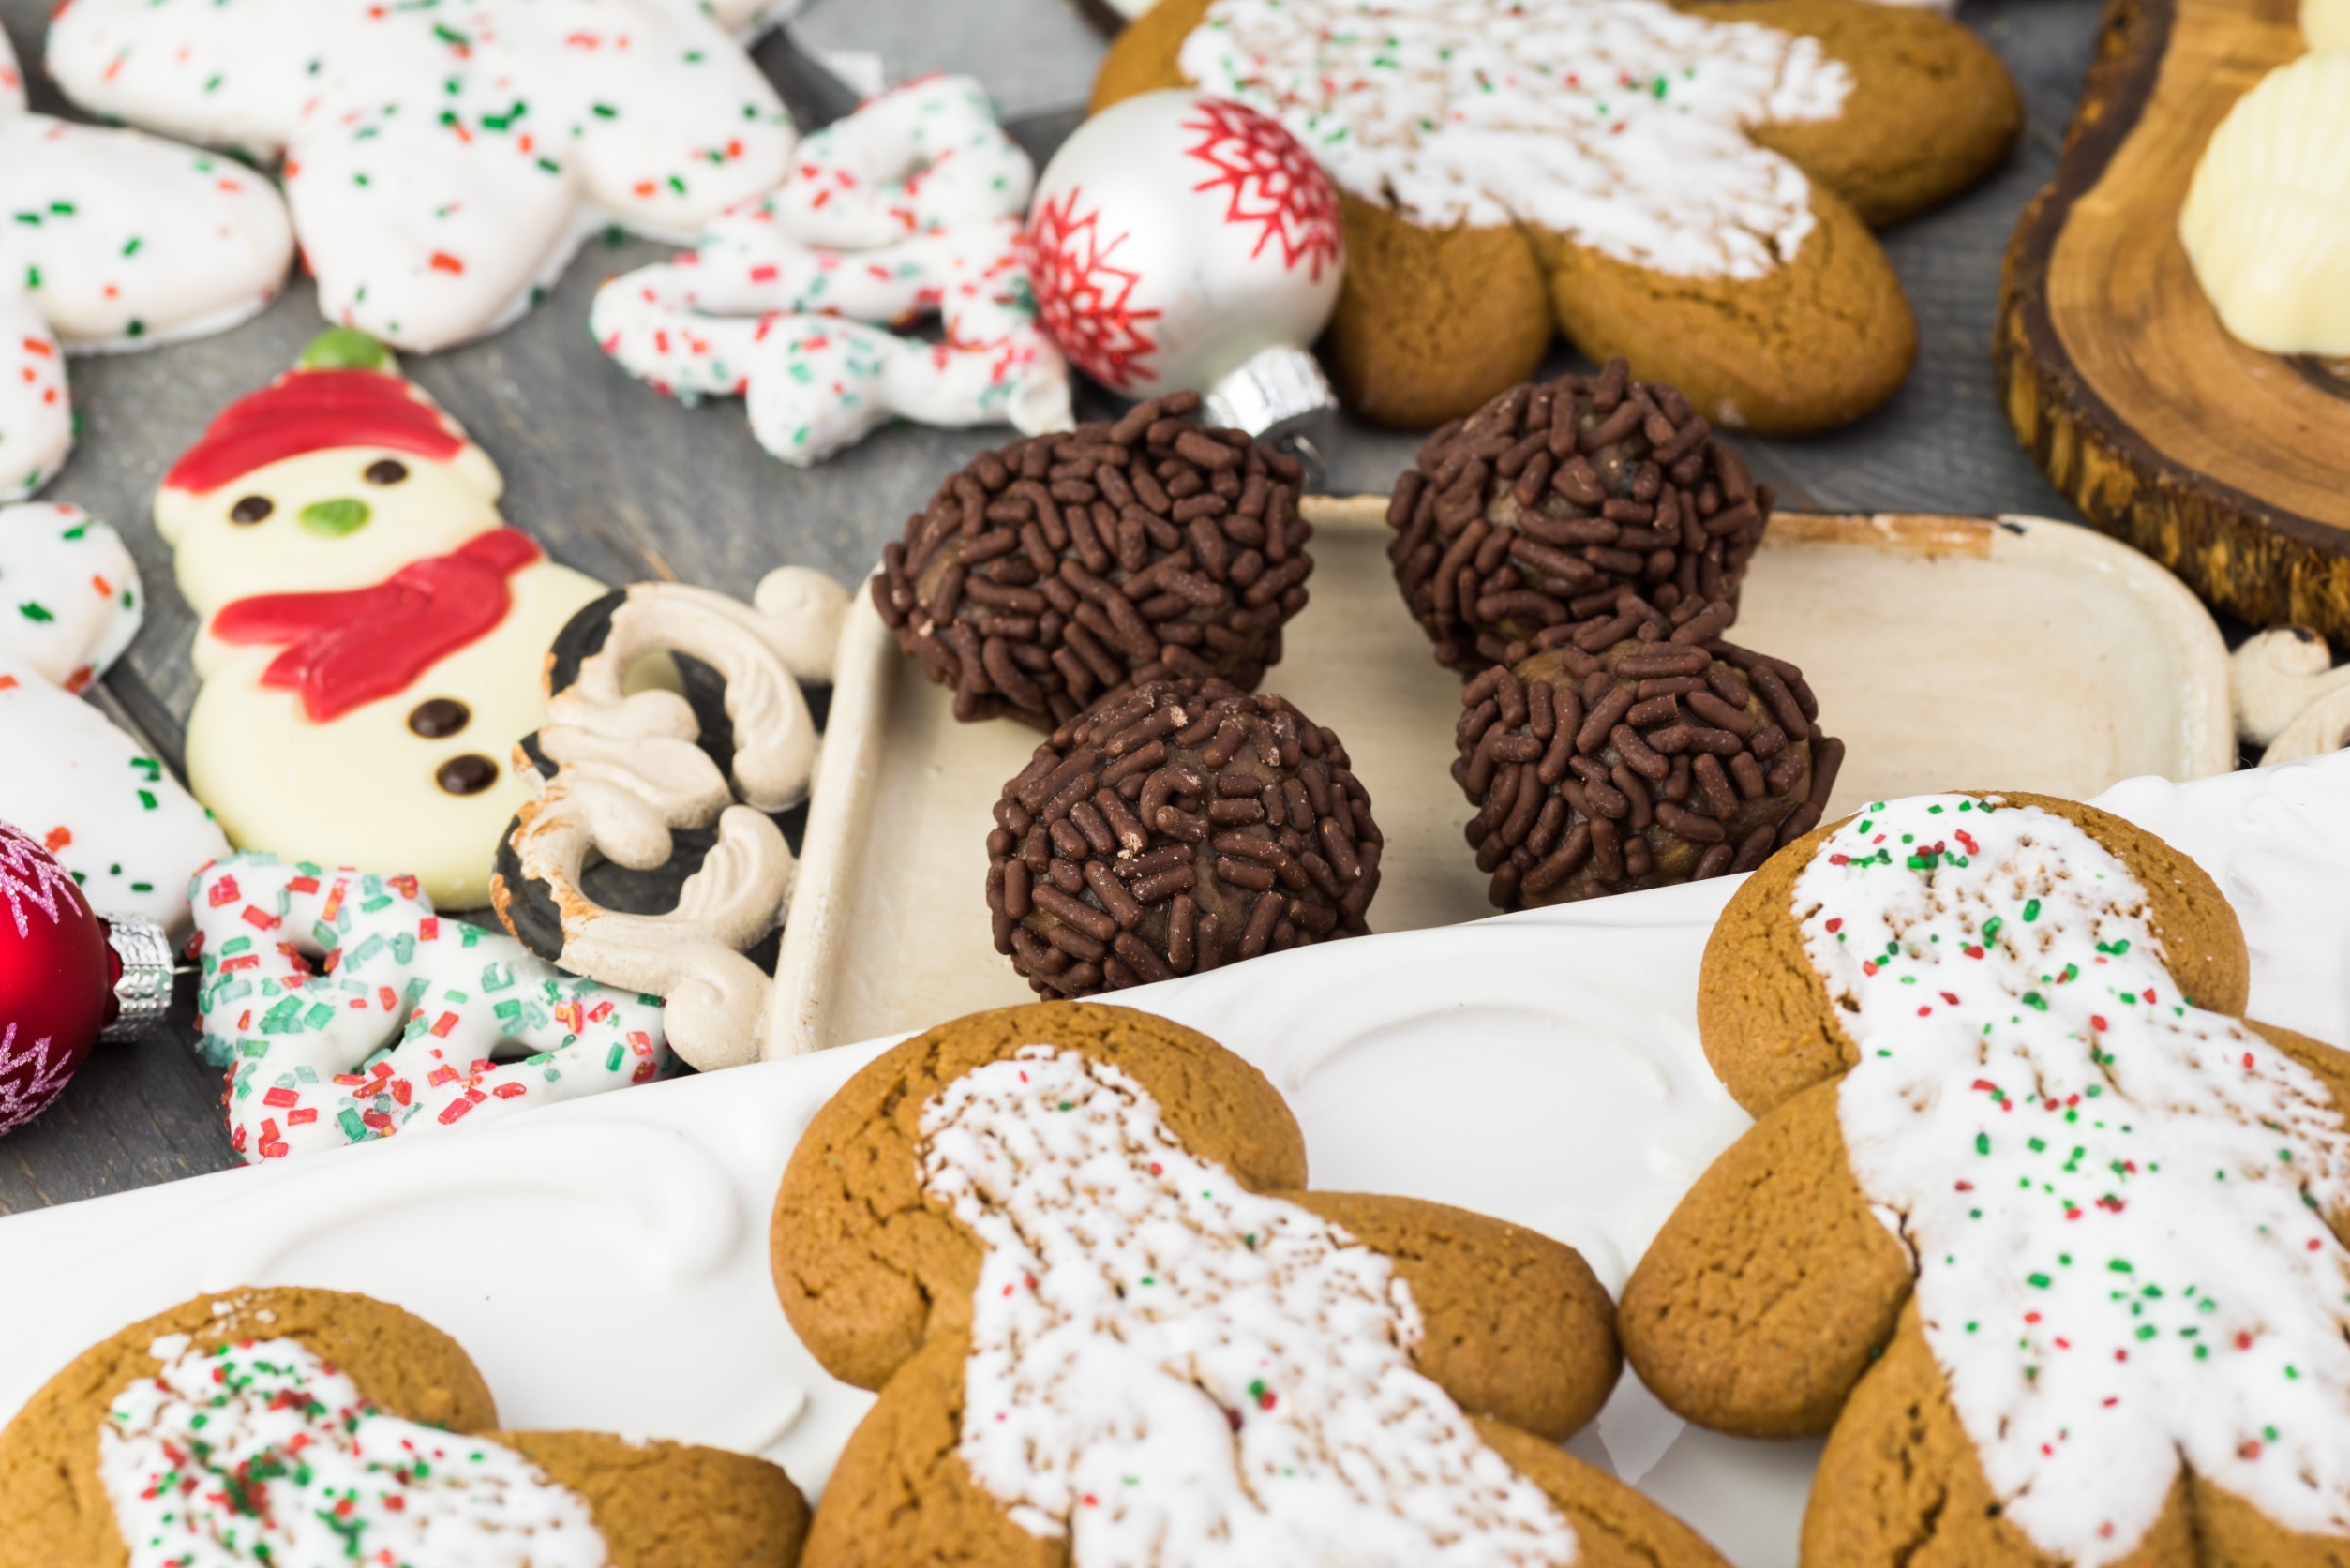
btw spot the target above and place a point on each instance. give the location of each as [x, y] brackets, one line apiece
[142, 992]
[1274, 393]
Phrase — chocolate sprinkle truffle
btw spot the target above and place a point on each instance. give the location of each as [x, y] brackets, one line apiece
[1182, 826]
[1669, 756]
[1520, 523]
[1058, 570]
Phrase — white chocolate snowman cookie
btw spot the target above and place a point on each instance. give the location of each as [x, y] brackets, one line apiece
[909, 207]
[108, 812]
[444, 162]
[111, 240]
[373, 633]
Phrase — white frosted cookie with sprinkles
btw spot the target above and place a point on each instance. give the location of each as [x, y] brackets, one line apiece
[444, 161]
[1069, 1244]
[112, 240]
[290, 1428]
[2060, 1231]
[1689, 187]
[96, 798]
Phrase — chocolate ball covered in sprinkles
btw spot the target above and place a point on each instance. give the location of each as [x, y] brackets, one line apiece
[1667, 755]
[1056, 570]
[1182, 826]
[1521, 524]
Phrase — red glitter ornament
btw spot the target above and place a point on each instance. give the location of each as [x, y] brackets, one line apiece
[56, 978]
[1087, 303]
[1268, 181]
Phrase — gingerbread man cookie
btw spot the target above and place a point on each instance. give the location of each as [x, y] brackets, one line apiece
[1689, 187]
[2044, 1234]
[270, 1428]
[372, 632]
[1069, 1244]
[908, 207]
[411, 1023]
[112, 240]
[443, 162]
[112, 815]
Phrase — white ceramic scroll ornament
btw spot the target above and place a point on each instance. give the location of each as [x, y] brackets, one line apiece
[625, 771]
[2288, 695]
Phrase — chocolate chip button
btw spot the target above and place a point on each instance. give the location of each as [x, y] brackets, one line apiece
[252, 510]
[469, 774]
[440, 718]
[389, 470]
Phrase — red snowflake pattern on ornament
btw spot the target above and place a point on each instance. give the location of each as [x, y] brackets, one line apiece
[1269, 181]
[30, 1081]
[1086, 303]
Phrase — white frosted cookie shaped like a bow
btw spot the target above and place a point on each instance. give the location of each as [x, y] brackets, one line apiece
[96, 798]
[344, 1011]
[444, 161]
[910, 207]
[109, 240]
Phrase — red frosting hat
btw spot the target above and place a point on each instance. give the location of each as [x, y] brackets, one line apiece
[342, 394]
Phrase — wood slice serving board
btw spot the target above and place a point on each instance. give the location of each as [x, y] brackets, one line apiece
[2228, 464]
[1948, 652]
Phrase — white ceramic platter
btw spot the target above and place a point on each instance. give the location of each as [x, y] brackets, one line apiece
[606, 1261]
[1947, 652]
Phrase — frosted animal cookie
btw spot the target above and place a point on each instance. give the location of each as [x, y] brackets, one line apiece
[373, 633]
[444, 162]
[1067, 1244]
[69, 604]
[1688, 187]
[290, 1426]
[112, 240]
[2043, 1234]
[414, 1022]
[909, 206]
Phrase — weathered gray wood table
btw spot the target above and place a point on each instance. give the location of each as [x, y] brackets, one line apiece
[625, 485]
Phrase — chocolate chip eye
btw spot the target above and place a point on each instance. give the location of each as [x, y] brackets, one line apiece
[469, 774]
[252, 510]
[386, 471]
[439, 718]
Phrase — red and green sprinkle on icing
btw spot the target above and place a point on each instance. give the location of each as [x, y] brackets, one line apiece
[260, 1454]
[2115, 1199]
[346, 1010]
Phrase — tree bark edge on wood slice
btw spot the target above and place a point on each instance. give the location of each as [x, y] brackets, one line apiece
[2251, 554]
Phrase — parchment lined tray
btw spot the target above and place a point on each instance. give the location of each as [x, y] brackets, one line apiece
[1946, 652]
[604, 1260]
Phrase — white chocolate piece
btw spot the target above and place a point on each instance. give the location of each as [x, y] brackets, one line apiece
[92, 795]
[1620, 124]
[2267, 221]
[443, 162]
[421, 1024]
[910, 205]
[2326, 24]
[110, 240]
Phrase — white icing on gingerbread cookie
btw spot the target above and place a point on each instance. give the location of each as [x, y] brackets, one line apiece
[110, 239]
[417, 1023]
[373, 634]
[444, 162]
[1620, 123]
[1167, 1368]
[69, 604]
[261, 1453]
[909, 206]
[2116, 1201]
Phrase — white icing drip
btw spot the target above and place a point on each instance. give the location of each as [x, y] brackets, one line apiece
[261, 1453]
[1618, 123]
[1167, 1368]
[2111, 1194]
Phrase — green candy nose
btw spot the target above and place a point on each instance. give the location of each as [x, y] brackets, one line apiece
[335, 519]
